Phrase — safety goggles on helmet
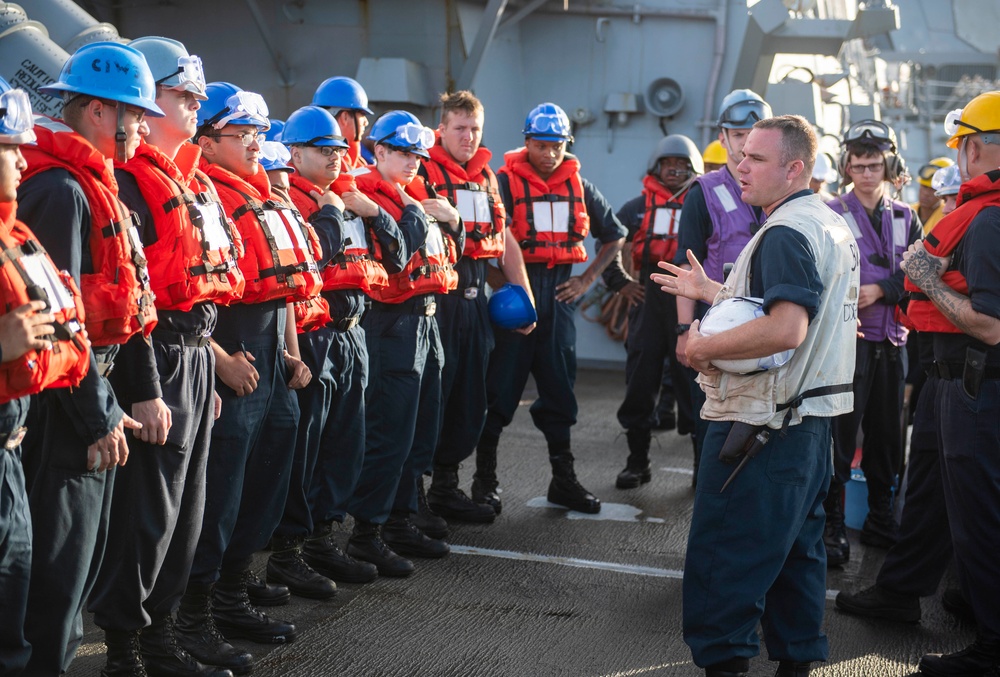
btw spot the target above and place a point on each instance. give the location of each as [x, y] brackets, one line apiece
[243, 108]
[745, 113]
[190, 75]
[274, 155]
[927, 172]
[548, 123]
[873, 131]
[16, 120]
[946, 181]
[412, 135]
[953, 121]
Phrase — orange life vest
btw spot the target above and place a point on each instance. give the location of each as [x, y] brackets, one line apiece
[472, 189]
[656, 238]
[194, 257]
[280, 249]
[355, 266]
[27, 273]
[117, 295]
[973, 196]
[550, 219]
[430, 268]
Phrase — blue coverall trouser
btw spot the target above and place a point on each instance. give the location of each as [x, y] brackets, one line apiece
[15, 557]
[755, 552]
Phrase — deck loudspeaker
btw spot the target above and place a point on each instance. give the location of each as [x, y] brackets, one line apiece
[664, 97]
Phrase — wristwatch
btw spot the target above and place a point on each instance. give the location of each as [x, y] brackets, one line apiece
[682, 328]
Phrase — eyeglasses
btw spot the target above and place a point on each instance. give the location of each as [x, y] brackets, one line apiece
[247, 138]
[745, 113]
[191, 75]
[245, 108]
[15, 114]
[139, 113]
[327, 151]
[861, 170]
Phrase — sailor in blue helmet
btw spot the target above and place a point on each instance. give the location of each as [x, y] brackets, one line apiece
[347, 101]
[403, 402]
[552, 210]
[714, 227]
[250, 460]
[69, 197]
[28, 346]
[755, 553]
[166, 382]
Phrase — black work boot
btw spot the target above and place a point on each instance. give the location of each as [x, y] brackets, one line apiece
[366, 544]
[565, 489]
[877, 602]
[637, 470]
[734, 667]
[400, 534]
[972, 661]
[237, 618]
[793, 669]
[425, 518]
[124, 655]
[954, 602]
[484, 482]
[266, 594]
[287, 567]
[446, 499]
[197, 633]
[880, 529]
[325, 556]
[838, 548]
[165, 657]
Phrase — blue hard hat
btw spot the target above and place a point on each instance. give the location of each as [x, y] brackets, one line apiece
[275, 155]
[228, 104]
[547, 122]
[402, 130]
[277, 127]
[341, 93]
[108, 70]
[16, 121]
[741, 108]
[510, 307]
[312, 126]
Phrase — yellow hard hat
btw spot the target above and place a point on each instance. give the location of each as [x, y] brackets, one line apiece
[714, 154]
[980, 115]
[926, 173]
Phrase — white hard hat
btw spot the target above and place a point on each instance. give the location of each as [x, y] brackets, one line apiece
[732, 313]
[823, 169]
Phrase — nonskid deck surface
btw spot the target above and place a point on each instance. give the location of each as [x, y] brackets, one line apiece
[544, 591]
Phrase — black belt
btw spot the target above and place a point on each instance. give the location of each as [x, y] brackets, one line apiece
[12, 440]
[345, 323]
[953, 370]
[179, 339]
[421, 305]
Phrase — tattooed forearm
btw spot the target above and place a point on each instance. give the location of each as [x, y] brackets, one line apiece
[958, 309]
[923, 269]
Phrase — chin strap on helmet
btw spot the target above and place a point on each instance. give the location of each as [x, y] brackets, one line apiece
[121, 148]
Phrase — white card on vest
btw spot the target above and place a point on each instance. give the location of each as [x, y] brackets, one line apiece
[665, 221]
[43, 274]
[435, 242]
[725, 198]
[354, 230]
[296, 226]
[551, 217]
[473, 206]
[212, 229]
[899, 234]
[279, 231]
